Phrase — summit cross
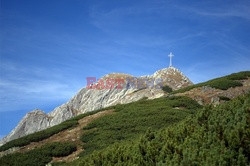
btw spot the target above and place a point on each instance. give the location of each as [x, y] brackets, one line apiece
[170, 57]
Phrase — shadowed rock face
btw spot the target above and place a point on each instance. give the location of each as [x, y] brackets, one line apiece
[87, 100]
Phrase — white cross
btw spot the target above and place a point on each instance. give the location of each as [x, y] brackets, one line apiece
[170, 56]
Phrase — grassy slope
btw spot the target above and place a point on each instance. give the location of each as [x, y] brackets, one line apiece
[127, 123]
[222, 83]
[131, 120]
[41, 135]
[39, 156]
[212, 136]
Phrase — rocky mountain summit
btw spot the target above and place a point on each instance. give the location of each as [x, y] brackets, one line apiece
[87, 100]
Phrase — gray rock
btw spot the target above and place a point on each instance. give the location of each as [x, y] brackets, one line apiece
[215, 100]
[33, 121]
[206, 89]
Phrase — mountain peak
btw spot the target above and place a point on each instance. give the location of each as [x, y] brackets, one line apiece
[172, 77]
[35, 111]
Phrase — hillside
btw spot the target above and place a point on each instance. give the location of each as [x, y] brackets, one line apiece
[218, 90]
[213, 136]
[173, 129]
[87, 100]
[126, 122]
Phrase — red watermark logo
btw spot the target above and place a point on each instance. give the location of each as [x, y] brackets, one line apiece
[121, 83]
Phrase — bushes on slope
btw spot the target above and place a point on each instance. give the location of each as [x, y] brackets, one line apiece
[38, 136]
[222, 83]
[167, 89]
[131, 120]
[40, 156]
[213, 136]
[224, 98]
[41, 135]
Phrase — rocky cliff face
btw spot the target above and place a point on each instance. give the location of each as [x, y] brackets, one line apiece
[87, 100]
[33, 121]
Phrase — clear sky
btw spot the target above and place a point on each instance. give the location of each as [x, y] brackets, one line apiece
[49, 47]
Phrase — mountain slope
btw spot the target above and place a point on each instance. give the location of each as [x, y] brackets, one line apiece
[127, 122]
[218, 90]
[212, 136]
[87, 100]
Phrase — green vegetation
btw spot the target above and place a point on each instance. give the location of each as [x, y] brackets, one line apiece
[212, 136]
[239, 76]
[38, 136]
[41, 135]
[39, 156]
[222, 83]
[131, 120]
[224, 98]
[58, 149]
[167, 89]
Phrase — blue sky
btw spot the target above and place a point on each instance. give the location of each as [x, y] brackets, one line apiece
[48, 48]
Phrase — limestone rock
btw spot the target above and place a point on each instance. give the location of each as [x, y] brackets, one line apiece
[33, 121]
